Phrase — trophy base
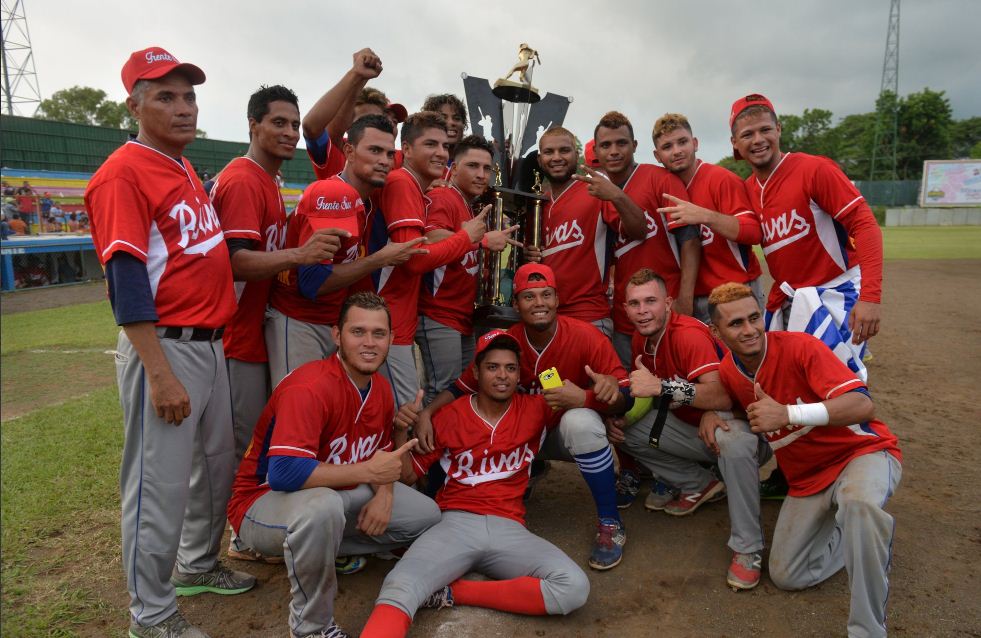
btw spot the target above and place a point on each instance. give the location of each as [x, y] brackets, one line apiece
[516, 92]
[487, 318]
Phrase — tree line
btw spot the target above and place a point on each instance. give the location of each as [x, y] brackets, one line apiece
[926, 129]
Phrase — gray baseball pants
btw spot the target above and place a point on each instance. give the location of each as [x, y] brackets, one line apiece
[174, 480]
[445, 354]
[291, 343]
[580, 431]
[621, 343]
[497, 547]
[676, 462]
[843, 525]
[400, 370]
[249, 383]
[605, 325]
[309, 528]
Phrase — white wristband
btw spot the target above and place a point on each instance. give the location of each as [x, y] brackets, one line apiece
[808, 414]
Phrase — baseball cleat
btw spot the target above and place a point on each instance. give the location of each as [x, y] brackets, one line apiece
[661, 494]
[744, 570]
[347, 565]
[687, 503]
[611, 536]
[332, 631]
[628, 486]
[220, 580]
[251, 555]
[175, 626]
[442, 597]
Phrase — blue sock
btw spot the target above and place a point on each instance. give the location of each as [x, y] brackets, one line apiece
[597, 470]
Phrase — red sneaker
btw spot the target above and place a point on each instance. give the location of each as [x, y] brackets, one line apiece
[688, 502]
[744, 570]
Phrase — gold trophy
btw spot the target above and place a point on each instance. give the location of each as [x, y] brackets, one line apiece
[513, 96]
[521, 91]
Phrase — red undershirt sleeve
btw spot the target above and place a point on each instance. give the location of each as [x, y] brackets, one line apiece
[440, 253]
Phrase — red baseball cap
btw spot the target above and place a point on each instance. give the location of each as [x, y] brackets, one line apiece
[400, 112]
[743, 103]
[589, 154]
[153, 63]
[484, 341]
[521, 277]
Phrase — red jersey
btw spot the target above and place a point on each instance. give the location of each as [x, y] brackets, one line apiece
[334, 163]
[403, 206]
[577, 247]
[449, 291]
[487, 466]
[250, 206]
[798, 368]
[574, 345]
[809, 212]
[316, 412]
[646, 186]
[153, 207]
[685, 351]
[721, 190]
[320, 205]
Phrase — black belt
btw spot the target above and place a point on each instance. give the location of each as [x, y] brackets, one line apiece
[663, 403]
[191, 334]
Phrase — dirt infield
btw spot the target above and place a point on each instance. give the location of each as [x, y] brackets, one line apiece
[924, 374]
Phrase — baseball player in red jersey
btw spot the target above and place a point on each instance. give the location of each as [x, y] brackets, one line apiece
[403, 218]
[253, 217]
[647, 239]
[842, 463]
[820, 239]
[446, 298]
[346, 102]
[577, 242]
[455, 113]
[170, 286]
[676, 356]
[487, 442]
[718, 205]
[306, 300]
[319, 476]
[592, 379]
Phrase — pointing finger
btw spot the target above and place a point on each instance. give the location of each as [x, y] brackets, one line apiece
[408, 445]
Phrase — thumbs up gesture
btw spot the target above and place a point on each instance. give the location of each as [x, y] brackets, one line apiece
[766, 415]
[643, 382]
[386, 467]
[408, 415]
[605, 386]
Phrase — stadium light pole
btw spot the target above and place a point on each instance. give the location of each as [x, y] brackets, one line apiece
[20, 85]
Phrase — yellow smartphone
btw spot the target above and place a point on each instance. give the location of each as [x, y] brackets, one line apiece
[550, 379]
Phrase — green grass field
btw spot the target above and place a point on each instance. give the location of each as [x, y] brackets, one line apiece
[59, 498]
[932, 242]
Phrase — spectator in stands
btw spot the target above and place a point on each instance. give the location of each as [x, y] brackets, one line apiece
[208, 182]
[17, 225]
[25, 189]
[5, 231]
[8, 190]
[46, 204]
[73, 225]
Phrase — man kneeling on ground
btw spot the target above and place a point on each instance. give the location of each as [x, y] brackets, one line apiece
[318, 479]
[842, 463]
[487, 442]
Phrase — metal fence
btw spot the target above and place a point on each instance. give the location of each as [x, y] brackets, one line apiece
[30, 143]
[890, 193]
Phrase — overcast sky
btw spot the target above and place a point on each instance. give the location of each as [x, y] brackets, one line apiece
[641, 57]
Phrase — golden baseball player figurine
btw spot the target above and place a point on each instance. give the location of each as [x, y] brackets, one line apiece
[526, 59]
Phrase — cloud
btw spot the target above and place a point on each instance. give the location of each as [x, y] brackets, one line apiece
[643, 58]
